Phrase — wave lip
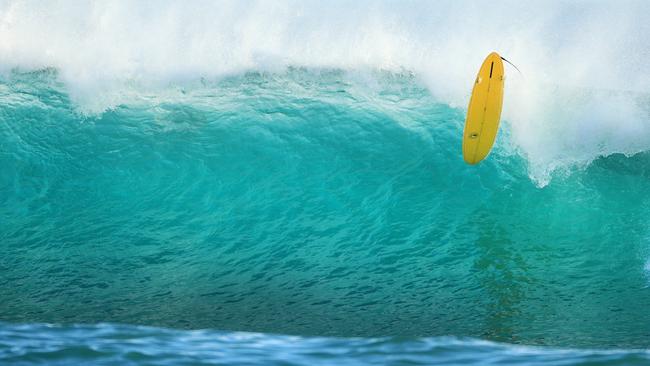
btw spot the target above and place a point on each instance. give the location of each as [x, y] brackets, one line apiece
[584, 93]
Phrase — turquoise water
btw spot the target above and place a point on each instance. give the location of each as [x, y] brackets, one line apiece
[312, 203]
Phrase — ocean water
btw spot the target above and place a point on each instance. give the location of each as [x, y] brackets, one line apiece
[282, 183]
[106, 344]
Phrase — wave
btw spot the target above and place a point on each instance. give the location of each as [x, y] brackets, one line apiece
[313, 202]
[583, 93]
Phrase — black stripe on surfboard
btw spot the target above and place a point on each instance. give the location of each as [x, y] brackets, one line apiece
[491, 67]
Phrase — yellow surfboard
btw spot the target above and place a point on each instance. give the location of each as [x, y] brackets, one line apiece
[484, 110]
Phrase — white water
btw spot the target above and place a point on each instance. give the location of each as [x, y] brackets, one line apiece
[584, 92]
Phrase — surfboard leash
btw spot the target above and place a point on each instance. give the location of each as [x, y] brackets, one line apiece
[513, 65]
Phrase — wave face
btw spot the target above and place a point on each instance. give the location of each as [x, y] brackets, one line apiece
[313, 203]
[104, 344]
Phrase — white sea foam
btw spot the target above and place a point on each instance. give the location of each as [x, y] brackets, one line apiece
[586, 72]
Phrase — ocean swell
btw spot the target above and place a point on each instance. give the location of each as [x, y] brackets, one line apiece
[294, 168]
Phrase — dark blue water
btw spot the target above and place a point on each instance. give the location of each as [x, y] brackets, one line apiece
[106, 344]
[316, 203]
